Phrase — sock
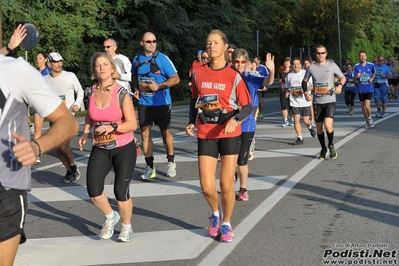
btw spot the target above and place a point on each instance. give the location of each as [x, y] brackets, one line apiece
[330, 137]
[227, 223]
[110, 216]
[322, 140]
[150, 161]
[126, 225]
[171, 158]
[216, 213]
[299, 137]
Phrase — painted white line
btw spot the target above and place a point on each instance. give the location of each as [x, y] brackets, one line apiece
[147, 189]
[91, 250]
[222, 250]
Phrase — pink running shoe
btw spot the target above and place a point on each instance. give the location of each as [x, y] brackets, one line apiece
[226, 234]
[243, 194]
[214, 225]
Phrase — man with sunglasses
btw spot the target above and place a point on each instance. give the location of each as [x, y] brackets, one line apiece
[123, 64]
[153, 74]
[323, 73]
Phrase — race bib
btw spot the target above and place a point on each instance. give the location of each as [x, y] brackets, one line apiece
[208, 102]
[322, 88]
[364, 78]
[105, 141]
[297, 91]
[350, 84]
[63, 98]
[144, 83]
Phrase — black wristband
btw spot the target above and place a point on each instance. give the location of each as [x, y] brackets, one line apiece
[8, 49]
[114, 125]
[38, 146]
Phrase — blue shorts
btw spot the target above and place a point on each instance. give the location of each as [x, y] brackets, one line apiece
[381, 94]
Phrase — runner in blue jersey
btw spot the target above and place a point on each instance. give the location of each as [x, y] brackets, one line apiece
[364, 74]
[153, 74]
[382, 74]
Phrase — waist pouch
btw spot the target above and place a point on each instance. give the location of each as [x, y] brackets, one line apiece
[377, 85]
[216, 116]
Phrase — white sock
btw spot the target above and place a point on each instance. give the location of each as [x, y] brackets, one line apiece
[110, 216]
[126, 225]
[226, 223]
[299, 137]
[216, 213]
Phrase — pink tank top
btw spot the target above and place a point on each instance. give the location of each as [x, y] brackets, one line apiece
[109, 114]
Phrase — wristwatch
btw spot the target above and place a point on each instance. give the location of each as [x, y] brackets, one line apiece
[236, 119]
[114, 125]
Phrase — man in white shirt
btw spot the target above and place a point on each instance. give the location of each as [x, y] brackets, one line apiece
[66, 85]
[123, 64]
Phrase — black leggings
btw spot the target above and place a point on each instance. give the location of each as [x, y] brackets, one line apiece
[246, 140]
[350, 98]
[123, 159]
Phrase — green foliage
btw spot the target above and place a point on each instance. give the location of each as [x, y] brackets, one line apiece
[77, 28]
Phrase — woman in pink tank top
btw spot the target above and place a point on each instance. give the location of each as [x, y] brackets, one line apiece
[113, 124]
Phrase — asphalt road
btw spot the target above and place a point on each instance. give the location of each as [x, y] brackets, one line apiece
[301, 211]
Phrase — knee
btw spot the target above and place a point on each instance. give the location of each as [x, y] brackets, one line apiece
[208, 191]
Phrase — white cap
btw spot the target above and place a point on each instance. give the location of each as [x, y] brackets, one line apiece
[55, 57]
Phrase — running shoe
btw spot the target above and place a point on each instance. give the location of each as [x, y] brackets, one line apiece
[367, 124]
[348, 111]
[352, 111]
[67, 178]
[378, 113]
[171, 169]
[75, 172]
[291, 123]
[138, 149]
[38, 160]
[126, 234]
[298, 142]
[382, 114]
[323, 154]
[214, 225]
[108, 227]
[333, 152]
[148, 173]
[260, 116]
[243, 194]
[235, 178]
[226, 234]
[312, 131]
[285, 123]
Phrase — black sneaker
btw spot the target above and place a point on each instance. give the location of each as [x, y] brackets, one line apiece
[75, 172]
[67, 178]
[333, 152]
[298, 142]
[235, 178]
[323, 154]
[312, 131]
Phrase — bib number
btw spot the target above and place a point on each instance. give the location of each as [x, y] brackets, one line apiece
[144, 83]
[297, 91]
[105, 141]
[322, 88]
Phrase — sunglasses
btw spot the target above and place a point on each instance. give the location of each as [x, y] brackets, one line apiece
[149, 41]
[229, 52]
[205, 58]
[319, 53]
[108, 46]
[243, 62]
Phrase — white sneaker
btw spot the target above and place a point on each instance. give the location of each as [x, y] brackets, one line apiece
[148, 173]
[108, 227]
[171, 169]
[32, 129]
[126, 234]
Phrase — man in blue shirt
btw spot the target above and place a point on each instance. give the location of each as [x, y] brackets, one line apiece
[364, 74]
[153, 74]
[382, 74]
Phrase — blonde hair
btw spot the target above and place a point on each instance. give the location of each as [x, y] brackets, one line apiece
[224, 39]
[93, 63]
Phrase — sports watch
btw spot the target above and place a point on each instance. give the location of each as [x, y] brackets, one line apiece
[114, 125]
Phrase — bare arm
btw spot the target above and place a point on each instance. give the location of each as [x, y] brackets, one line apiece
[16, 39]
[270, 66]
[170, 82]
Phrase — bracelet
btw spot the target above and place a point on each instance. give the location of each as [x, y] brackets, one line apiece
[8, 49]
[38, 146]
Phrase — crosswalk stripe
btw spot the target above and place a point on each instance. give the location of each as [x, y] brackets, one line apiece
[145, 189]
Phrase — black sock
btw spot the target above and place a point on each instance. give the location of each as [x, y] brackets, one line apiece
[171, 158]
[150, 161]
[330, 137]
[322, 140]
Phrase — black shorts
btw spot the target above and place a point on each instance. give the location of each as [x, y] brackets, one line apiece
[246, 140]
[158, 115]
[284, 101]
[303, 111]
[214, 147]
[394, 82]
[365, 96]
[122, 159]
[324, 110]
[261, 94]
[13, 208]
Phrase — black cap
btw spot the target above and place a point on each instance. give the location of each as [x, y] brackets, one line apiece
[232, 45]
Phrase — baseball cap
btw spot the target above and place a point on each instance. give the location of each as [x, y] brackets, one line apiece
[199, 52]
[232, 46]
[55, 57]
